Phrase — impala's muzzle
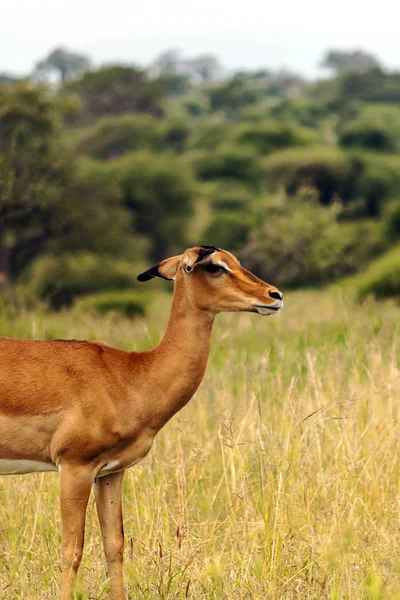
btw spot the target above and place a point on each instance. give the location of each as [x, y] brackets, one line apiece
[269, 309]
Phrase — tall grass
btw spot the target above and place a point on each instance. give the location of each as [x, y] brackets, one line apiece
[279, 480]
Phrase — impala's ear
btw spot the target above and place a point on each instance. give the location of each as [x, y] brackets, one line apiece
[192, 257]
[166, 269]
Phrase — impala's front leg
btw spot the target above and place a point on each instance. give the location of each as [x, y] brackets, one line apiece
[108, 492]
[76, 483]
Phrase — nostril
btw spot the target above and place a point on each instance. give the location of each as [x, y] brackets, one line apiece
[276, 295]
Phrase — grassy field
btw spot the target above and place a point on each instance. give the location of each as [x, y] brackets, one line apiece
[279, 480]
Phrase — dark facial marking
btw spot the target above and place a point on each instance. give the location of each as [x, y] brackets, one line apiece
[212, 268]
[205, 251]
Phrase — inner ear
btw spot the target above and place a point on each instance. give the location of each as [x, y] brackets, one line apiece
[193, 257]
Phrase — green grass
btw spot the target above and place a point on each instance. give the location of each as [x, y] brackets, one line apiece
[279, 480]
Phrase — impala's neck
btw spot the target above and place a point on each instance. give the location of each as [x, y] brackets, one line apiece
[180, 359]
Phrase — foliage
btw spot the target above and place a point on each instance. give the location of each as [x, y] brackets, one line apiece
[176, 135]
[344, 61]
[373, 127]
[111, 137]
[130, 304]
[65, 63]
[121, 161]
[32, 172]
[382, 278]
[232, 95]
[391, 221]
[269, 137]
[240, 163]
[60, 279]
[231, 195]
[229, 229]
[326, 169]
[116, 90]
[365, 179]
[159, 190]
[310, 247]
[47, 201]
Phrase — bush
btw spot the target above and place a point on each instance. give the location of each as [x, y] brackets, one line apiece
[391, 222]
[368, 136]
[229, 230]
[373, 127]
[269, 137]
[113, 136]
[159, 190]
[336, 175]
[326, 169]
[230, 196]
[230, 162]
[382, 278]
[176, 135]
[301, 244]
[130, 304]
[60, 279]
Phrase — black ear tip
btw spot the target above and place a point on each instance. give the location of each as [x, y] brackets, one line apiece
[147, 275]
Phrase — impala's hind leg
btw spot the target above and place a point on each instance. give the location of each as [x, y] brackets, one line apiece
[76, 483]
[108, 492]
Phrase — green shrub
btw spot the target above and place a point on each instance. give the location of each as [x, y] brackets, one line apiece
[229, 230]
[391, 221]
[59, 279]
[327, 169]
[211, 135]
[269, 137]
[300, 243]
[364, 177]
[159, 190]
[111, 137]
[176, 135]
[130, 304]
[230, 162]
[368, 136]
[382, 278]
[228, 196]
[373, 127]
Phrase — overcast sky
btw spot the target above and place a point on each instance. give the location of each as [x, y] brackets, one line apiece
[245, 33]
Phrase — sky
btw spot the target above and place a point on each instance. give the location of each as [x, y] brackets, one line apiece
[243, 34]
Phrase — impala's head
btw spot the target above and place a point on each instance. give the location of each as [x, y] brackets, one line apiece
[214, 280]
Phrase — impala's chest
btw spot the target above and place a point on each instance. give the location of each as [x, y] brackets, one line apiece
[128, 457]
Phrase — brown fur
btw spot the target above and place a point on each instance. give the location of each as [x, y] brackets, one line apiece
[82, 405]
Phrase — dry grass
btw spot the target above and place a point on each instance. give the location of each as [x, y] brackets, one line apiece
[280, 479]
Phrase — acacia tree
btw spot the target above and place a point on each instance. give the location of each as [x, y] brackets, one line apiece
[342, 61]
[47, 200]
[64, 63]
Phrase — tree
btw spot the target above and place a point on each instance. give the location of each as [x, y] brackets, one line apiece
[30, 172]
[115, 90]
[64, 63]
[343, 61]
[204, 67]
[47, 200]
[233, 94]
[159, 192]
[169, 62]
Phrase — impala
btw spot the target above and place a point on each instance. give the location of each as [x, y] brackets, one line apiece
[91, 411]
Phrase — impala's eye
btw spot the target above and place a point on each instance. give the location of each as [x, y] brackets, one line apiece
[213, 268]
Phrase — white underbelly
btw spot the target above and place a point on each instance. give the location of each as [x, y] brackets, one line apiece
[14, 467]
[114, 466]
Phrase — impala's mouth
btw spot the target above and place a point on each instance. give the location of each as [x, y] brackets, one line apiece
[268, 309]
